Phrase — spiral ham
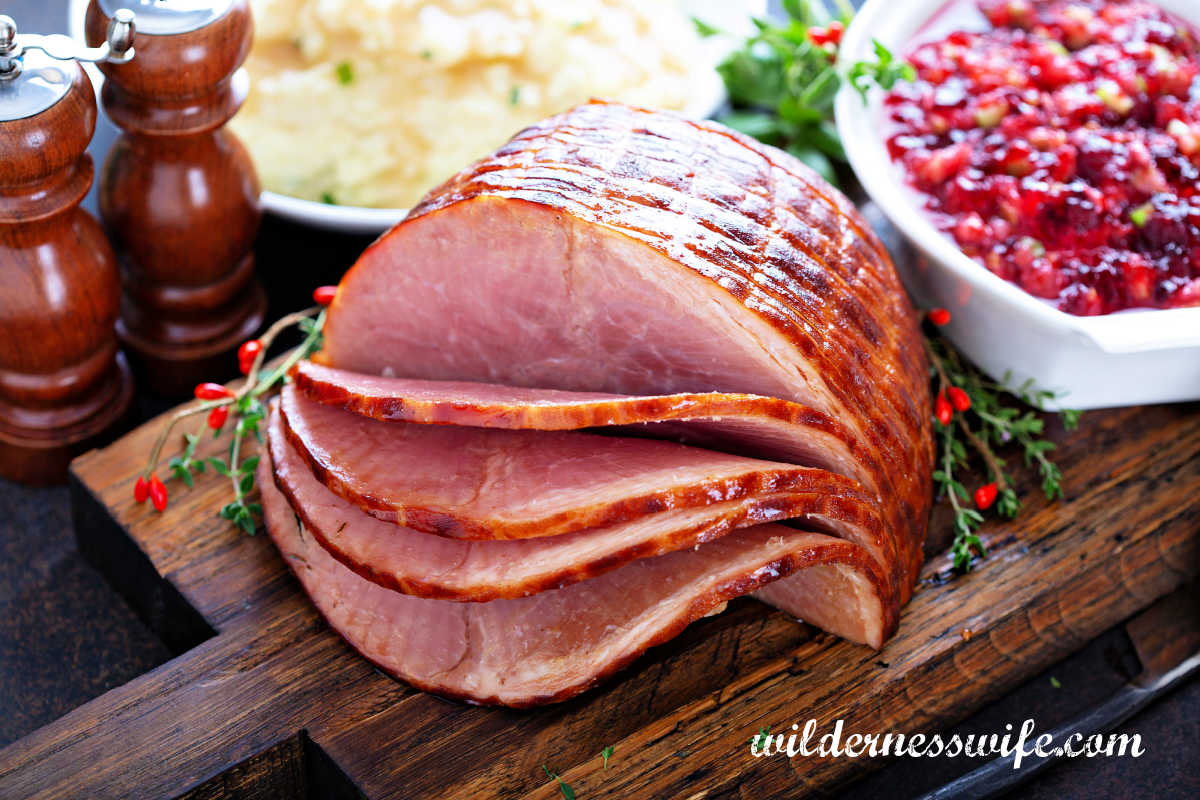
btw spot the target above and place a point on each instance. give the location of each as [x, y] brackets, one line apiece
[623, 269]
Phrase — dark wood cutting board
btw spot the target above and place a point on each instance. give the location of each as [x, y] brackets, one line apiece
[264, 701]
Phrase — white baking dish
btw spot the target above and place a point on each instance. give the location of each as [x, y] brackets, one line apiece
[1127, 358]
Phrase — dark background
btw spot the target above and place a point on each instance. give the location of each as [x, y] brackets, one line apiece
[66, 637]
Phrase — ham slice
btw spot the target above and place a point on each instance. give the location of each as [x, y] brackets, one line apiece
[557, 643]
[761, 427]
[481, 483]
[426, 565]
[618, 250]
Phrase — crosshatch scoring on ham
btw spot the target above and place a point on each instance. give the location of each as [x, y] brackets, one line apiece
[626, 368]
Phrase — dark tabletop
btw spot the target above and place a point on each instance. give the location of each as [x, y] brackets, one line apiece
[66, 637]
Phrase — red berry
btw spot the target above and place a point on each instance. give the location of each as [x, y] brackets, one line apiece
[958, 398]
[217, 417]
[141, 489]
[818, 35]
[985, 495]
[939, 316]
[246, 355]
[323, 295]
[942, 409]
[158, 493]
[211, 391]
[836, 29]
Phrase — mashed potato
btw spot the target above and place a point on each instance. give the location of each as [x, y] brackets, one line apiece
[372, 102]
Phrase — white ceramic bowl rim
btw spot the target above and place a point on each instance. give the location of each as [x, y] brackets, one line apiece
[1130, 331]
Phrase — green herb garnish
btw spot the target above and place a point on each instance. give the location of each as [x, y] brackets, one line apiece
[328, 199]
[991, 421]
[1141, 215]
[760, 739]
[1055, 682]
[704, 29]
[514, 95]
[563, 786]
[781, 83]
[606, 754]
[345, 72]
[246, 410]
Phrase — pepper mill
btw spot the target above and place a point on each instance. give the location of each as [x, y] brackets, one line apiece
[64, 386]
[178, 193]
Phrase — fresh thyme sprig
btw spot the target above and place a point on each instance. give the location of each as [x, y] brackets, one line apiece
[979, 420]
[563, 786]
[246, 408]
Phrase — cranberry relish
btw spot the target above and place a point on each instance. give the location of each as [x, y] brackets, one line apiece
[1061, 149]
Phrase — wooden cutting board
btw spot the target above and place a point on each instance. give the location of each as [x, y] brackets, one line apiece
[264, 701]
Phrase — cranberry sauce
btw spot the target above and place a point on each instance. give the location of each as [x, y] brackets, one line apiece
[1061, 149]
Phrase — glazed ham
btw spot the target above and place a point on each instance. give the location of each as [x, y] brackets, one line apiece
[440, 484]
[618, 250]
[557, 643]
[435, 566]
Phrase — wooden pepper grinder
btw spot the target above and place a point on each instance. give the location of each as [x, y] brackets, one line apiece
[178, 193]
[64, 386]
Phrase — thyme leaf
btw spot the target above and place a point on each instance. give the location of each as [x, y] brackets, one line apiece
[563, 786]
[247, 412]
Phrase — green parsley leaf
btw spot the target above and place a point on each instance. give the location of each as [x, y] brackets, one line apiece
[606, 754]
[514, 95]
[328, 199]
[781, 85]
[345, 73]
[1141, 215]
[1055, 682]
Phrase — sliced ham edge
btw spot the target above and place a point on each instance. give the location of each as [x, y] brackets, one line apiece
[555, 644]
[426, 565]
[479, 483]
[750, 425]
[747, 424]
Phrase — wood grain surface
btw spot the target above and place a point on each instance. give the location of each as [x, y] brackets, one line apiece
[263, 698]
